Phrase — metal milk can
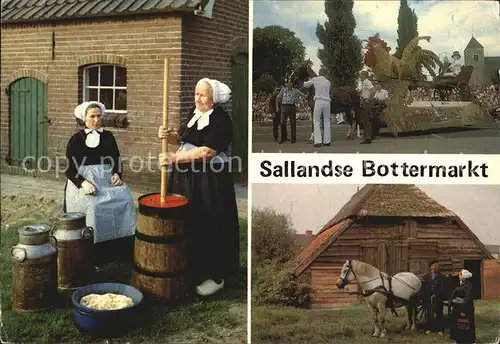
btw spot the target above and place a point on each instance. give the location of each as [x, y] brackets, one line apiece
[74, 247]
[34, 270]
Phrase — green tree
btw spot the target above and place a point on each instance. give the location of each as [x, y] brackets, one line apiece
[276, 50]
[341, 52]
[272, 236]
[407, 27]
[264, 84]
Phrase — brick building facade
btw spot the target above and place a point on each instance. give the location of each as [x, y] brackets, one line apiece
[56, 54]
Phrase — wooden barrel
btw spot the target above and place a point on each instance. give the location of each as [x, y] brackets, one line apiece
[160, 249]
[75, 267]
[34, 270]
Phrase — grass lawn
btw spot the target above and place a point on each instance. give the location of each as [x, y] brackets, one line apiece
[354, 325]
[222, 318]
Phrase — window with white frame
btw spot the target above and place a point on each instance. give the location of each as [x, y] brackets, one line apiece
[476, 57]
[107, 84]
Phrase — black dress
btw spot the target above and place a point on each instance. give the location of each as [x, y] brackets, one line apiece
[212, 228]
[463, 324]
[77, 154]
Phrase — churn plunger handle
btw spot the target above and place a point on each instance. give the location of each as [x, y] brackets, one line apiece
[164, 143]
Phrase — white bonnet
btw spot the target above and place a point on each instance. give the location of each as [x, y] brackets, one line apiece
[221, 92]
[81, 109]
[466, 274]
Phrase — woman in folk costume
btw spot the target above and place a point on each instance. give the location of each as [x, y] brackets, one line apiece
[94, 184]
[463, 324]
[201, 171]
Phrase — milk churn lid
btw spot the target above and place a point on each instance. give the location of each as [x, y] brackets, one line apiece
[35, 229]
[70, 216]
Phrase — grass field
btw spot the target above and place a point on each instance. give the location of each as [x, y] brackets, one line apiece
[354, 325]
[222, 318]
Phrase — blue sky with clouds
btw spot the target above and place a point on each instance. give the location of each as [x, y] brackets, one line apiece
[449, 23]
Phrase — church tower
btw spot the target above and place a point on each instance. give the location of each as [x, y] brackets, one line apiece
[474, 56]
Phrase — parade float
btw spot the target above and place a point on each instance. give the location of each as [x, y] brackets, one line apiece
[452, 105]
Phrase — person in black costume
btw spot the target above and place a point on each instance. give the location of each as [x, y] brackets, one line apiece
[463, 324]
[95, 187]
[433, 299]
[201, 171]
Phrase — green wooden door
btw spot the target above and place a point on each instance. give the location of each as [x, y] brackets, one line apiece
[29, 124]
[240, 111]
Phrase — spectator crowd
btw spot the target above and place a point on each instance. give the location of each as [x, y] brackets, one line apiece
[488, 96]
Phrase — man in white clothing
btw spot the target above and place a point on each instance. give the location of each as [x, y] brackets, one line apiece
[381, 94]
[321, 107]
[367, 93]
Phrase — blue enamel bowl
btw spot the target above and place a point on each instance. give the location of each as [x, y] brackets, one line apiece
[107, 322]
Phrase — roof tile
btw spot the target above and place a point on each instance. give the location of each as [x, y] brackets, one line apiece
[318, 243]
[14, 11]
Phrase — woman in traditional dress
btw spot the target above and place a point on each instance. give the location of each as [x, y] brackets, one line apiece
[201, 171]
[95, 186]
[463, 324]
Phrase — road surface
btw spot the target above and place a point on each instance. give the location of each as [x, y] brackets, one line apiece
[477, 139]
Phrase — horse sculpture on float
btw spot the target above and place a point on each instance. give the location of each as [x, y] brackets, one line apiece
[382, 291]
[343, 98]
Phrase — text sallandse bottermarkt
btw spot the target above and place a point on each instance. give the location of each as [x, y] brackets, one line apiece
[369, 168]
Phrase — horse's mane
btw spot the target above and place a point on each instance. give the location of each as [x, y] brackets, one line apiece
[302, 73]
[366, 269]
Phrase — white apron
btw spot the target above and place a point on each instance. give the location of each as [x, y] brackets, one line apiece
[111, 211]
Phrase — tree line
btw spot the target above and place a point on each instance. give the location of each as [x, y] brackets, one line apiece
[277, 51]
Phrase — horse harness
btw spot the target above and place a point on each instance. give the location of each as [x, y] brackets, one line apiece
[380, 288]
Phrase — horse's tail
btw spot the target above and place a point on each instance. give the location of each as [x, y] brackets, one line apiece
[391, 298]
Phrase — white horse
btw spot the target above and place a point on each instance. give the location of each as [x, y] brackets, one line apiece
[382, 291]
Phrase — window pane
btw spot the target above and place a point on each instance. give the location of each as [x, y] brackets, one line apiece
[92, 76]
[91, 94]
[107, 98]
[121, 100]
[121, 76]
[106, 75]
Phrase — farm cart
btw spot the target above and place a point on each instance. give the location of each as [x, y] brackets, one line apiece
[445, 86]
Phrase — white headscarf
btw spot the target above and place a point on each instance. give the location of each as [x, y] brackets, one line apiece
[466, 274]
[221, 93]
[92, 135]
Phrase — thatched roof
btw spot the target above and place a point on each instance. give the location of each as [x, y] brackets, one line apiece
[399, 200]
[392, 200]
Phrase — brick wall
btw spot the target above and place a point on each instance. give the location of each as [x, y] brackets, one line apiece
[140, 45]
[209, 45]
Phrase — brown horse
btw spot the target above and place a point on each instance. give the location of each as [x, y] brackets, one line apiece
[343, 98]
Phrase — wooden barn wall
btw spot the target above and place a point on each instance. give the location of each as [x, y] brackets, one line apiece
[392, 245]
[491, 279]
[325, 293]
